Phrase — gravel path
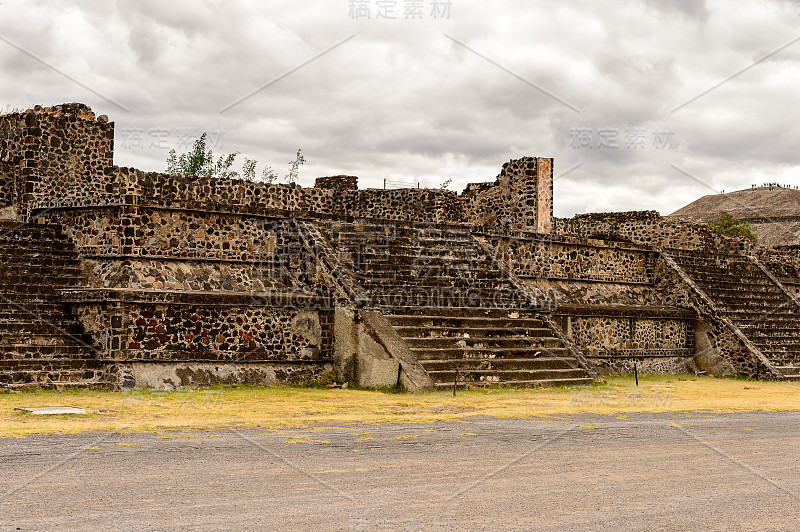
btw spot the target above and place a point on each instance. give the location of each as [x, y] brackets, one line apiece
[676, 471]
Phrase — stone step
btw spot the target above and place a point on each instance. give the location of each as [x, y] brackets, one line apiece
[39, 339]
[15, 281]
[492, 346]
[767, 329]
[37, 268]
[389, 241]
[434, 274]
[48, 363]
[782, 309]
[451, 279]
[733, 287]
[727, 262]
[32, 311]
[398, 229]
[28, 326]
[778, 336]
[10, 302]
[437, 286]
[443, 289]
[18, 253]
[777, 348]
[457, 342]
[465, 322]
[753, 290]
[427, 297]
[467, 312]
[15, 229]
[762, 316]
[484, 353]
[9, 287]
[46, 373]
[706, 257]
[771, 296]
[9, 237]
[544, 363]
[790, 372]
[446, 264]
[376, 251]
[39, 264]
[586, 381]
[16, 239]
[389, 305]
[412, 331]
[498, 376]
[385, 234]
[783, 358]
[25, 351]
[389, 262]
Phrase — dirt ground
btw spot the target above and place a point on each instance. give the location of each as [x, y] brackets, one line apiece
[655, 471]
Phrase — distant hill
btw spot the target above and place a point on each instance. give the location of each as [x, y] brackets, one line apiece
[774, 212]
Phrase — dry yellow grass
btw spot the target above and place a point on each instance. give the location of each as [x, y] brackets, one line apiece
[311, 407]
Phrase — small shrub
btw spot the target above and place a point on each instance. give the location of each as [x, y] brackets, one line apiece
[728, 225]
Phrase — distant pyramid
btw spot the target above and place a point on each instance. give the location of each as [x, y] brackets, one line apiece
[774, 212]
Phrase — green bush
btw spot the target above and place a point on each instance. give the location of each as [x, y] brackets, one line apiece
[728, 225]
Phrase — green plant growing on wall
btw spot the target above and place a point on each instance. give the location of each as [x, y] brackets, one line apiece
[294, 167]
[199, 162]
[446, 184]
[728, 225]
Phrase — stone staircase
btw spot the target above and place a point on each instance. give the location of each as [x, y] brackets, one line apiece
[766, 315]
[453, 307]
[412, 265]
[487, 347]
[41, 344]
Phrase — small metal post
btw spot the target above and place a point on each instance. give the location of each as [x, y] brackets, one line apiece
[399, 371]
[455, 384]
[384, 183]
[636, 371]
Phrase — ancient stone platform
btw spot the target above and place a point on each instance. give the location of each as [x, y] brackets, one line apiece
[123, 278]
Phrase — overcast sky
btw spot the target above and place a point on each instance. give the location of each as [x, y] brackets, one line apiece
[643, 104]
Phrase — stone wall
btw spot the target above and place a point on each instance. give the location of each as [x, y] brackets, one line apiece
[658, 339]
[60, 151]
[177, 375]
[8, 196]
[167, 233]
[631, 335]
[213, 327]
[159, 274]
[648, 228]
[154, 248]
[521, 198]
[552, 258]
